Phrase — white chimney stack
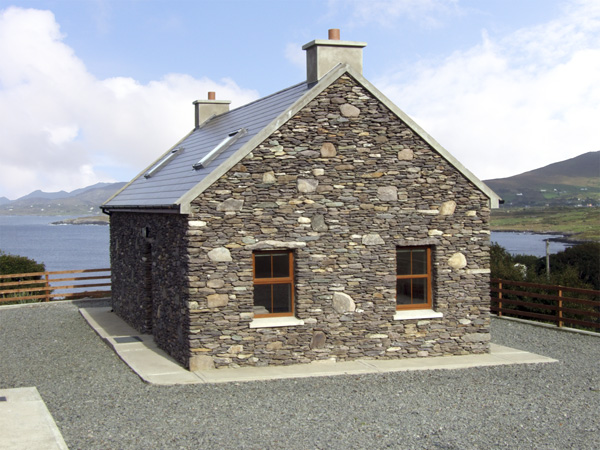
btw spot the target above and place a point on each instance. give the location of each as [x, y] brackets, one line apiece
[324, 55]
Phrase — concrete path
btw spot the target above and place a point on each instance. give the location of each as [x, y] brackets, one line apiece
[154, 366]
[26, 423]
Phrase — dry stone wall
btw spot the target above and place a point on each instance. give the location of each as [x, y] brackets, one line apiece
[342, 183]
[149, 277]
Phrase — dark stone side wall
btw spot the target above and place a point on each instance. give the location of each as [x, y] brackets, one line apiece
[343, 183]
[149, 277]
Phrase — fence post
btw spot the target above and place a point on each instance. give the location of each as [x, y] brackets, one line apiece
[47, 286]
[499, 298]
[560, 311]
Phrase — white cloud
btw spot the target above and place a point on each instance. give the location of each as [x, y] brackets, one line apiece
[62, 134]
[60, 124]
[512, 104]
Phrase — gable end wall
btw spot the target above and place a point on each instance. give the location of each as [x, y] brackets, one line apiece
[345, 213]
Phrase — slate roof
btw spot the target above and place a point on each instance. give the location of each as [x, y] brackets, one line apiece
[164, 188]
[177, 184]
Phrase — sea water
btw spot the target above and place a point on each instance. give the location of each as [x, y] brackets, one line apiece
[59, 247]
[522, 243]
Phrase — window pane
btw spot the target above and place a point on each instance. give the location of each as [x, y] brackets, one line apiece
[262, 266]
[281, 265]
[403, 295]
[262, 298]
[403, 262]
[282, 298]
[419, 290]
[419, 261]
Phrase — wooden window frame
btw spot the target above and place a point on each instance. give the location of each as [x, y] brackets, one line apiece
[276, 280]
[428, 276]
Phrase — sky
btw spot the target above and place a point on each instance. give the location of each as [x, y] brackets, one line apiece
[96, 90]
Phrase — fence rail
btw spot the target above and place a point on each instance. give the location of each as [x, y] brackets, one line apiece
[45, 286]
[555, 304]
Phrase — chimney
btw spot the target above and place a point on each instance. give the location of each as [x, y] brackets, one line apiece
[324, 55]
[208, 108]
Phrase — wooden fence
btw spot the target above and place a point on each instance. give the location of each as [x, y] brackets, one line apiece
[554, 304]
[560, 305]
[46, 286]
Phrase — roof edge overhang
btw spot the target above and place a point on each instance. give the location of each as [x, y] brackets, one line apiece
[184, 202]
[153, 209]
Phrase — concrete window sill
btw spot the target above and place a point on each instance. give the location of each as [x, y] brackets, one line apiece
[412, 314]
[272, 322]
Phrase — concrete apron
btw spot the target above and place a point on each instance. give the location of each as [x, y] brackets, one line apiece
[154, 366]
[26, 423]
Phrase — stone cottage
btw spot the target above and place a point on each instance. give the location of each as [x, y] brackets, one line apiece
[317, 223]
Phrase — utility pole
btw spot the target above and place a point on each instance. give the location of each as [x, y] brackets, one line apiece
[548, 259]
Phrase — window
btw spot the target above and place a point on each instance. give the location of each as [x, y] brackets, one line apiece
[413, 278]
[273, 283]
[168, 157]
[224, 144]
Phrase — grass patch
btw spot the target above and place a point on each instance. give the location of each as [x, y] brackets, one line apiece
[580, 224]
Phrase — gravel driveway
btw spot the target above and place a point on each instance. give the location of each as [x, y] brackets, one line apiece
[98, 403]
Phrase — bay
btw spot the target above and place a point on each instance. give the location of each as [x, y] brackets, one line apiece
[522, 243]
[59, 247]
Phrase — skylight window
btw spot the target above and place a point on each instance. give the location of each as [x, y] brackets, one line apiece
[223, 145]
[159, 165]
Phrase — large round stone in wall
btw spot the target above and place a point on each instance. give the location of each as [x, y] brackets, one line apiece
[457, 261]
[343, 303]
[220, 254]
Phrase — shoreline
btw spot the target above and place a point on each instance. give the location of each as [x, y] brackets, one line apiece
[95, 220]
[565, 238]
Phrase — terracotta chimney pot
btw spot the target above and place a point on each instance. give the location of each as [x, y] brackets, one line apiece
[212, 95]
[334, 34]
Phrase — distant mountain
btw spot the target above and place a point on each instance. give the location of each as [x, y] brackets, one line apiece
[46, 195]
[4, 200]
[573, 182]
[84, 201]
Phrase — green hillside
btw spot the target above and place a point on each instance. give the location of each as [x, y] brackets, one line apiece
[562, 198]
[579, 224]
[573, 182]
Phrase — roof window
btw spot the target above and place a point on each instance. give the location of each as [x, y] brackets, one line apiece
[223, 145]
[159, 165]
